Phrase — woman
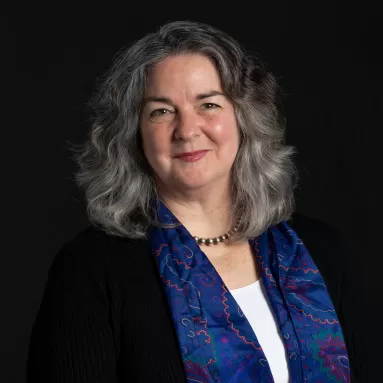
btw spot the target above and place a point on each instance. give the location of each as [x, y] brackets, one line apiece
[195, 269]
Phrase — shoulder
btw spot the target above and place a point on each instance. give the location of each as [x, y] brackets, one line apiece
[316, 234]
[94, 240]
[92, 251]
[326, 246]
[324, 243]
[320, 238]
[307, 226]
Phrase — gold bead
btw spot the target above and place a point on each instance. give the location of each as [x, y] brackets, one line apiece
[209, 241]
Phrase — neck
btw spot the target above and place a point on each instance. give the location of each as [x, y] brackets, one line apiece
[205, 213]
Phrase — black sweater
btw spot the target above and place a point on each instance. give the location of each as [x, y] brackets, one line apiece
[104, 316]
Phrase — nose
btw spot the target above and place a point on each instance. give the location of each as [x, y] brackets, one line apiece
[188, 126]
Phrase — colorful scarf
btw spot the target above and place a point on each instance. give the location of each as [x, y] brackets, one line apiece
[216, 340]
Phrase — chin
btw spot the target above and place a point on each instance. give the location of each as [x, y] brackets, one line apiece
[194, 182]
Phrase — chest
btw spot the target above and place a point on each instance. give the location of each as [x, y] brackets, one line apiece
[236, 264]
[147, 327]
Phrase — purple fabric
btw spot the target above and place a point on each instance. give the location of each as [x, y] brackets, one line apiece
[215, 338]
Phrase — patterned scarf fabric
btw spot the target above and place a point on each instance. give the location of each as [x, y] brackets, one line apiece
[216, 340]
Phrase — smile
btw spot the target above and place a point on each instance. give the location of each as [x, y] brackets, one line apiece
[191, 156]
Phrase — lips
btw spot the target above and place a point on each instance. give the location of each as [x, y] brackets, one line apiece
[191, 156]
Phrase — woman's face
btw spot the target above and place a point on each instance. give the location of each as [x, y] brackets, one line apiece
[189, 131]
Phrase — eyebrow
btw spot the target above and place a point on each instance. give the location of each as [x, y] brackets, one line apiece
[199, 96]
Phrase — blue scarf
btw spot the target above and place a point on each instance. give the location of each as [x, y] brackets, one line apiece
[216, 340]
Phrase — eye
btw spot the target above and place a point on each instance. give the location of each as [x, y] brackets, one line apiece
[159, 112]
[210, 105]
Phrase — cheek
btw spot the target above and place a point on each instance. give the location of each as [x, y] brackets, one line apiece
[155, 143]
[225, 131]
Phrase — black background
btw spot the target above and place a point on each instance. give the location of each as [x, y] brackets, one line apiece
[327, 58]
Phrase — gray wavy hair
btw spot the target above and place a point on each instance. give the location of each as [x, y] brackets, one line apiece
[112, 168]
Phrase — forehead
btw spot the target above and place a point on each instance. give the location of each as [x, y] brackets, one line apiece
[185, 71]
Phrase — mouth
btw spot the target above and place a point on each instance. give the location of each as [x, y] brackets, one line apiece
[191, 156]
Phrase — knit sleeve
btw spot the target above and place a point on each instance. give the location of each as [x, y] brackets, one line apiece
[72, 339]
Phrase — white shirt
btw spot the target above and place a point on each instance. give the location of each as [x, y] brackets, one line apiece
[253, 302]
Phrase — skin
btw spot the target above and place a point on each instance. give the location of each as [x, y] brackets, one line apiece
[187, 122]
[185, 109]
